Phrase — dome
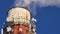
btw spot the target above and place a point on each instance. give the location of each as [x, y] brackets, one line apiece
[18, 15]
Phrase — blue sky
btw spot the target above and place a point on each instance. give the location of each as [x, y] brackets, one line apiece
[48, 18]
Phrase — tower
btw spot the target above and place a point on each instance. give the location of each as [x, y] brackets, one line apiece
[19, 22]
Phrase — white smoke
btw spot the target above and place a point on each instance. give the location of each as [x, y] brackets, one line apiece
[41, 3]
[22, 2]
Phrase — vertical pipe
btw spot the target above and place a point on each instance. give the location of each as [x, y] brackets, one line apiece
[1, 30]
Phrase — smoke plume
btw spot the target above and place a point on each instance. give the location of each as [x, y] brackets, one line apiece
[41, 3]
